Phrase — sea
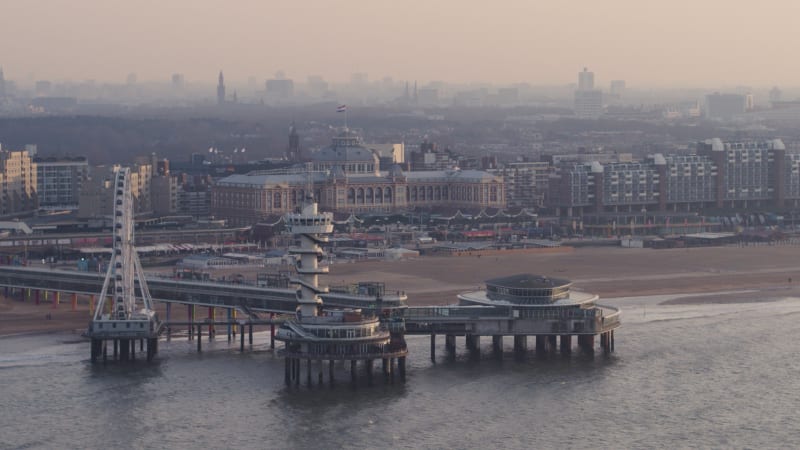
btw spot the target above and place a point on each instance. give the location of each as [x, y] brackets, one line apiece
[682, 376]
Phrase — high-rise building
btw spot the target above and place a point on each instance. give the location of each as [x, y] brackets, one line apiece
[178, 81]
[725, 106]
[280, 89]
[733, 175]
[749, 102]
[775, 94]
[617, 88]
[97, 196]
[18, 178]
[59, 181]
[588, 100]
[221, 89]
[293, 152]
[585, 80]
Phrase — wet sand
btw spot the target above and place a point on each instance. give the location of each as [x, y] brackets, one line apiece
[609, 272]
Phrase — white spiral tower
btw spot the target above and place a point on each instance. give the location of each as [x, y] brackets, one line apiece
[312, 228]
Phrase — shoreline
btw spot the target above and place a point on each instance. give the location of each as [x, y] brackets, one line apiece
[709, 275]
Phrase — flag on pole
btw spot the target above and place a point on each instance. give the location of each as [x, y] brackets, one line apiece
[341, 108]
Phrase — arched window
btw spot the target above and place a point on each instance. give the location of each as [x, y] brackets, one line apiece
[387, 195]
[430, 193]
[294, 197]
[414, 194]
[444, 193]
[421, 194]
[370, 196]
[437, 192]
[493, 194]
[351, 196]
[276, 200]
[379, 195]
[360, 196]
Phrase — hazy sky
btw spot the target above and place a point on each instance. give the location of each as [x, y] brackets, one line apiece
[646, 42]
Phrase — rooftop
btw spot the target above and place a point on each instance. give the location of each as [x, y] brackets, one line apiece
[528, 281]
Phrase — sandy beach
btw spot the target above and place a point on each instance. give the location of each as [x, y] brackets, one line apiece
[763, 273]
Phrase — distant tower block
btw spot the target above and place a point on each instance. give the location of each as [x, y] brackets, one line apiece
[293, 154]
[221, 89]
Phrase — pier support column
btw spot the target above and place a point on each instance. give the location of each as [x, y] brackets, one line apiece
[241, 341]
[566, 344]
[552, 343]
[150, 348]
[250, 332]
[297, 372]
[612, 341]
[541, 344]
[605, 342]
[91, 303]
[368, 364]
[212, 314]
[474, 344]
[190, 316]
[385, 369]
[286, 376]
[116, 348]
[586, 343]
[520, 344]
[229, 324]
[169, 327]
[104, 343]
[56, 299]
[330, 372]
[272, 331]
[401, 367]
[199, 338]
[433, 348]
[353, 372]
[133, 349]
[497, 346]
[95, 350]
[74, 301]
[124, 349]
[308, 374]
[450, 343]
[36, 295]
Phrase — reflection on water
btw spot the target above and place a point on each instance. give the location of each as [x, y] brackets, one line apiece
[699, 375]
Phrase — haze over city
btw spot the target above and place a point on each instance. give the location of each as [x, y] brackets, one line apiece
[713, 43]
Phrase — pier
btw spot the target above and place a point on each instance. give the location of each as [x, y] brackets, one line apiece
[362, 324]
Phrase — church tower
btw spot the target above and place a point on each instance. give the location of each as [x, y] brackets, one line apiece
[221, 89]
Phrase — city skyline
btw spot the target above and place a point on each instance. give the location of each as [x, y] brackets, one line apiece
[667, 44]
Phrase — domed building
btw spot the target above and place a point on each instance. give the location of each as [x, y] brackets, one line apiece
[347, 153]
[346, 178]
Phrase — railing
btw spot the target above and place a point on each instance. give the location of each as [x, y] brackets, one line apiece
[423, 312]
[608, 321]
